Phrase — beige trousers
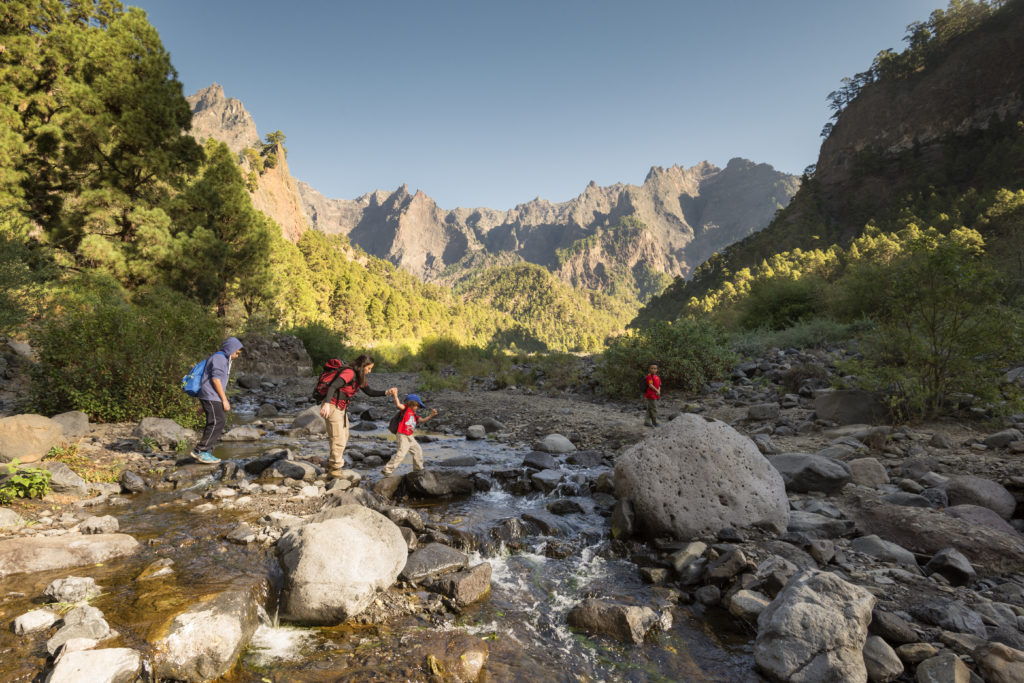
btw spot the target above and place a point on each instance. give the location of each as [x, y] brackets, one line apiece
[406, 444]
[337, 435]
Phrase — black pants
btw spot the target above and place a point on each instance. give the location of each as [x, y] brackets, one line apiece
[215, 422]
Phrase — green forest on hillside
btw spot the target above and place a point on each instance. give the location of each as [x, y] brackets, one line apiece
[108, 215]
[929, 279]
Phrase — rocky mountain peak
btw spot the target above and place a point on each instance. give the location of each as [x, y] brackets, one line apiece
[222, 118]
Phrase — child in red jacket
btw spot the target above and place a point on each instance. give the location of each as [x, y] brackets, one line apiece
[406, 441]
[652, 392]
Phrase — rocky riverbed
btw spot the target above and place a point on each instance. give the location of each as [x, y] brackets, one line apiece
[769, 532]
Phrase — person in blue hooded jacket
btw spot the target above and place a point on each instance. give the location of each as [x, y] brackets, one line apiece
[213, 398]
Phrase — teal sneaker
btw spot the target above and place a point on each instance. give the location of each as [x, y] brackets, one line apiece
[205, 457]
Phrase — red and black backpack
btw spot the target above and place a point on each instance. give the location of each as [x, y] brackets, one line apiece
[331, 370]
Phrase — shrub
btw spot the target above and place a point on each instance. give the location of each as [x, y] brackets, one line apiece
[322, 344]
[689, 353]
[120, 359]
[944, 330]
[23, 482]
[808, 334]
[781, 302]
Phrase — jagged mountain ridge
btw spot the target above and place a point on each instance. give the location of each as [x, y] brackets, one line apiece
[216, 116]
[689, 212]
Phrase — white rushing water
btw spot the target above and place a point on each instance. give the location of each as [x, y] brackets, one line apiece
[278, 643]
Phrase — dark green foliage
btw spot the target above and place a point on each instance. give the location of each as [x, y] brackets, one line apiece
[689, 354]
[120, 358]
[321, 344]
[778, 303]
[943, 330]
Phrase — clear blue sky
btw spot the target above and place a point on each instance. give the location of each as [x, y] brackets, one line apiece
[484, 103]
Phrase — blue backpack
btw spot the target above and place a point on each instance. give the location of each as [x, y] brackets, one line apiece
[191, 382]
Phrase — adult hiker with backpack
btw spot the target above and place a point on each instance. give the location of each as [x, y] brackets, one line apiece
[403, 425]
[212, 397]
[337, 385]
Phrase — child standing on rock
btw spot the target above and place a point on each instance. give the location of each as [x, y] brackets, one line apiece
[406, 426]
[214, 400]
[652, 392]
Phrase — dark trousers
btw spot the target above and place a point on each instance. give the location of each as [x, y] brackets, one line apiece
[215, 422]
[652, 410]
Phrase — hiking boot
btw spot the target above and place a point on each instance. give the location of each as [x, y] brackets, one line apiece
[205, 457]
[336, 474]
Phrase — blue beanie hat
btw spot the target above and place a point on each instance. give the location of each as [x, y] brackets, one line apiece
[415, 397]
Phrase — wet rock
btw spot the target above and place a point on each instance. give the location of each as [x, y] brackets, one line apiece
[819, 526]
[75, 424]
[886, 551]
[258, 465]
[709, 596]
[943, 668]
[299, 470]
[428, 483]
[950, 615]
[555, 443]
[205, 641]
[107, 524]
[585, 458]
[164, 432]
[432, 560]
[815, 630]
[241, 534]
[156, 569]
[951, 563]
[926, 532]
[546, 481]
[868, 472]
[475, 433]
[748, 605]
[805, 472]
[464, 587]
[267, 410]
[539, 460]
[110, 665]
[882, 662]
[623, 521]
[999, 663]
[27, 438]
[847, 407]
[460, 660]
[94, 628]
[309, 420]
[892, 628]
[72, 589]
[565, 506]
[132, 482]
[966, 490]
[36, 620]
[242, 433]
[323, 586]
[690, 459]
[622, 622]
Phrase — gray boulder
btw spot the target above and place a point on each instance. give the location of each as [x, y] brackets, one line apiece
[310, 420]
[36, 620]
[555, 443]
[805, 472]
[966, 490]
[464, 587]
[72, 589]
[94, 627]
[945, 667]
[106, 524]
[951, 563]
[763, 411]
[814, 630]
[819, 526]
[257, 465]
[627, 623]
[492, 425]
[430, 484]
[982, 516]
[111, 665]
[74, 422]
[475, 433]
[1003, 439]
[63, 479]
[132, 482]
[432, 560]
[242, 433]
[848, 407]
[27, 438]
[164, 432]
[9, 517]
[324, 586]
[886, 551]
[868, 472]
[204, 642]
[882, 662]
[950, 615]
[693, 477]
[45, 553]
[539, 460]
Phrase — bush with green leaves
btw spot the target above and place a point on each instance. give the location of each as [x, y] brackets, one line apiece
[117, 357]
[322, 344]
[23, 482]
[810, 333]
[778, 303]
[689, 353]
[943, 330]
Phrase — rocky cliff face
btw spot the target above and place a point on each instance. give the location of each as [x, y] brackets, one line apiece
[689, 214]
[218, 117]
[225, 119]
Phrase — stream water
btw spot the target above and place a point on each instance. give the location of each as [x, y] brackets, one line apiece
[523, 619]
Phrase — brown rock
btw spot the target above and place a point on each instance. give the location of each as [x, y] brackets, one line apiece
[999, 663]
[27, 438]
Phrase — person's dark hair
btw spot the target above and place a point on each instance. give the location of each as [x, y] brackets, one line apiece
[359, 365]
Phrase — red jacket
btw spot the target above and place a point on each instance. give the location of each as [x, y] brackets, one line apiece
[652, 383]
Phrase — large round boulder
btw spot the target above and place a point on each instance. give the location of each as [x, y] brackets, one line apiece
[693, 477]
[334, 568]
[27, 438]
